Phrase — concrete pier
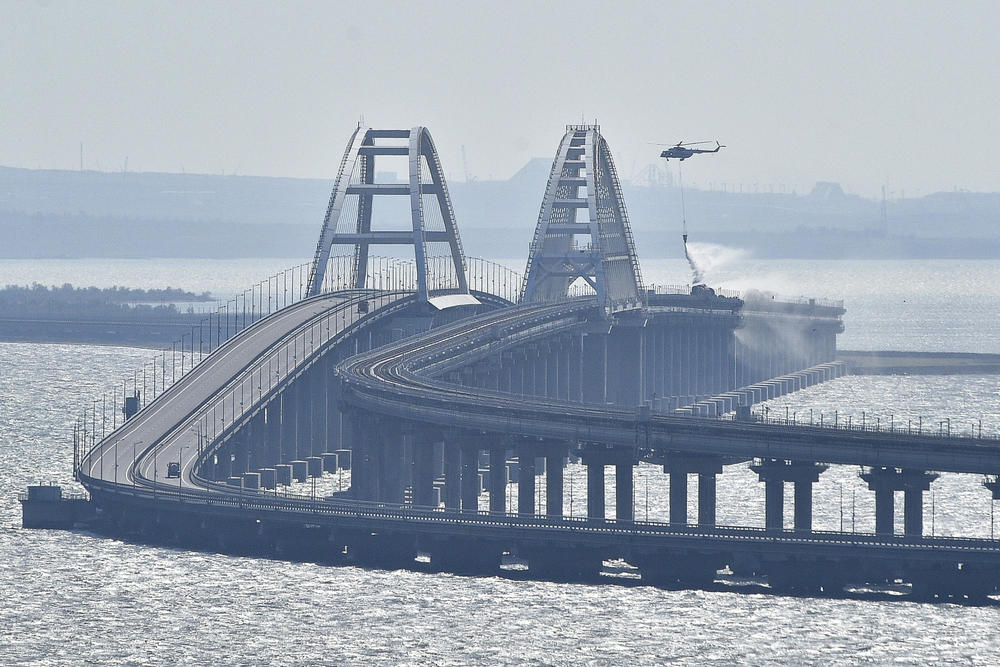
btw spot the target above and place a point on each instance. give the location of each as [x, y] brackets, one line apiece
[45, 506]
[774, 473]
[314, 466]
[554, 460]
[526, 479]
[624, 491]
[498, 478]
[452, 471]
[283, 474]
[885, 481]
[343, 459]
[679, 465]
[470, 476]
[331, 461]
[595, 489]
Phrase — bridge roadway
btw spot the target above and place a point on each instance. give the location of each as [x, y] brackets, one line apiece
[402, 380]
[219, 393]
[247, 371]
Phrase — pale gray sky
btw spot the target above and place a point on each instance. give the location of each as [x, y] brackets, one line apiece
[855, 92]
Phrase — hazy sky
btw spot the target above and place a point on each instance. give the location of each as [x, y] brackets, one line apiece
[856, 92]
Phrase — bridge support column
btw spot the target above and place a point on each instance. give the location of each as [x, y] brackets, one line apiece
[452, 471]
[288, 450]
[594, 363]
[422, 453]
[885, 482]
[774, 473]
[303, 416]
[595, 456]
[803, 506]
[317, 408]
[256, 442]
[498, 478]
[387, 462]
[678, 497]
[774, 504]
[223, 463]
[551, 358]
[554, 460]
[358, 430]
[574, 368]
[526, 479]
[531, 370]
[273, 436]
[624, 492]
[334, 417]
[241, 452]
[563, 353]
[913, 511]
[595, 490]
[706, 499]
[508, 374]
[884, 510]
[679, 465]
[470, 475]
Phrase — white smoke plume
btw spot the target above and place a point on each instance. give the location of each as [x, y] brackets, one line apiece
[707, 258]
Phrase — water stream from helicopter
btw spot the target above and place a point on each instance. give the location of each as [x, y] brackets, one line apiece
[697, 276]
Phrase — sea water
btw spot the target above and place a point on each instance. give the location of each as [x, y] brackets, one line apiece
[69, 597]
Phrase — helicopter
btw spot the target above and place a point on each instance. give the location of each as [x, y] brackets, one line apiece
[681, 151]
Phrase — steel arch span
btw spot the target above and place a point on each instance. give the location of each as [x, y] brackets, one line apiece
[583, 179]
[348, 219]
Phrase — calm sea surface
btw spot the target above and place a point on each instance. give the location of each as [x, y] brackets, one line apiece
[71, 597]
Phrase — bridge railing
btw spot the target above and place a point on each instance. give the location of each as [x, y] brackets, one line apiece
[395, 273]
[943, 428]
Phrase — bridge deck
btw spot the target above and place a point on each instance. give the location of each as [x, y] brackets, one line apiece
[399, 379]
[222, 390]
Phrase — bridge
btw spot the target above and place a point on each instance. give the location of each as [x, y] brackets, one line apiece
[435, 379]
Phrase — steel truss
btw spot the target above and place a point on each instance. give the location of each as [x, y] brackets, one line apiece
[607, 261]
[348, 219]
